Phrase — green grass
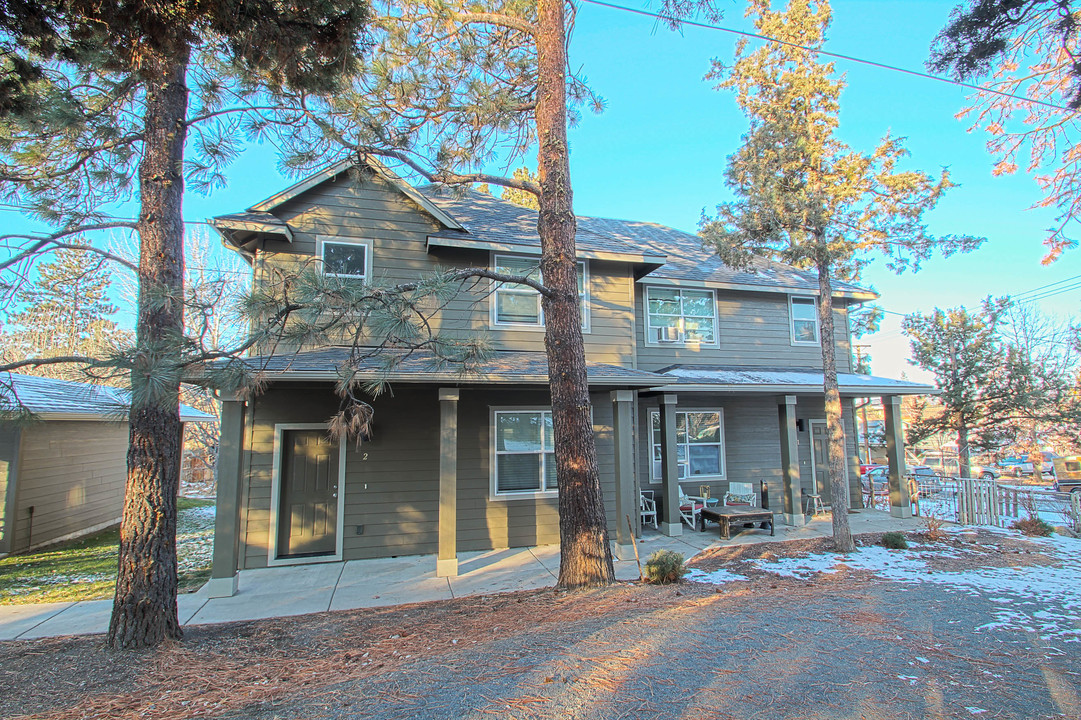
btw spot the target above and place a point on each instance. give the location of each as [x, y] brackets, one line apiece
[83, 569]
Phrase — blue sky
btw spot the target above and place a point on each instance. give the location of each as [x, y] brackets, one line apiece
[658, 152]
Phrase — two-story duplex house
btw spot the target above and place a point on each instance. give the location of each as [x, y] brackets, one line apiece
[729, 360]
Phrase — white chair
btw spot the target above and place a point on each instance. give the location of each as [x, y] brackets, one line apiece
[647, 508]
[690, 509]
[741, 493]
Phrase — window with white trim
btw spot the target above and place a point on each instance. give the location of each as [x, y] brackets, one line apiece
[804, 314]
[520, 305]
[346, 258]
[699, 443]
[524, 462]
[680, 315]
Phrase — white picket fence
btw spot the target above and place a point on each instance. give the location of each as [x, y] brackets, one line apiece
[972, 501]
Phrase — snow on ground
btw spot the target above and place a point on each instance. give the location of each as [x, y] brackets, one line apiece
[1041, 599]
[717, 577]
[195, 538]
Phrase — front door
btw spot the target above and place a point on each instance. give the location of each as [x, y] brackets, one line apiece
[308, 506]
[819, 464]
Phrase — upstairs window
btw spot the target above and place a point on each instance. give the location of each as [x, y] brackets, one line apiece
[681, 316]
[520, 305]
[346, 258]
[804, 314]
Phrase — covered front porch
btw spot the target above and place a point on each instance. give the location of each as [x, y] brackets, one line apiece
[768, 430]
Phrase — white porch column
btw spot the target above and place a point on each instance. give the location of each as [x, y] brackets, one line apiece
[900, 499]
[446, 564]
[670, 522]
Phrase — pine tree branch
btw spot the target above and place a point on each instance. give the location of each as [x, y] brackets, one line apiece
[58, 360]
[53, 242]
[446, 177]
[497, 19]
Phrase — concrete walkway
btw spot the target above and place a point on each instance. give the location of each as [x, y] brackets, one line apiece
[303, 589]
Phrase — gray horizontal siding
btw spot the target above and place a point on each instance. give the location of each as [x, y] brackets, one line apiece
[754, 330]
[392, 480]
[73, 474]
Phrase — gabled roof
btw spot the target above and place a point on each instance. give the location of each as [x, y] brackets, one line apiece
[52, 399]
[343, 165]
[782, 380]
[421, 366]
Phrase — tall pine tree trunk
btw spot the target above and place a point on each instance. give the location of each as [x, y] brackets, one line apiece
[585, 555]
[964, 455]
[835, 443]
[144, 608]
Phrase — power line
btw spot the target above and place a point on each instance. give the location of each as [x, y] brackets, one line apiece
[839, 56]
[1021, 295]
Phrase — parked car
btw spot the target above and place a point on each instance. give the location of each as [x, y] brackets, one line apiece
[1018, 466]
[942, 465]
[1068, 474]
[984, 472]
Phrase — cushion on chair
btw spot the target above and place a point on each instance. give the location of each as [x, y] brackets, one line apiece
[697, 506]
[734, 499]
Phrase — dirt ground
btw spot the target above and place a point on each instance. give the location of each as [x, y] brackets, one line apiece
[844, 644]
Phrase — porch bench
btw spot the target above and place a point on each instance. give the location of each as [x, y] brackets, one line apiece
[726, 515]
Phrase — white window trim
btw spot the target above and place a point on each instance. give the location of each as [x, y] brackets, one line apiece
[493, 493]
[539, 325]
[792, 321]
[681, 342]
[275, 500]
[320, 242]
[653, 441]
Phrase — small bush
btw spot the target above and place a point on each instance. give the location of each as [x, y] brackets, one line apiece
[935, 523]
[664, 566]
[1033, 526]
[894, 541]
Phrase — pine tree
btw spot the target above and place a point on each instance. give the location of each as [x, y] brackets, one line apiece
[521, 197]
[65, 311]
[806, 198]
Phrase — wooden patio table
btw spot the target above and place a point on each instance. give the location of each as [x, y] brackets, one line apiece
[726, 515]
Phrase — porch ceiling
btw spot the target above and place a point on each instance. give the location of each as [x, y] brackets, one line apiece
[782, 380]
[422, 366]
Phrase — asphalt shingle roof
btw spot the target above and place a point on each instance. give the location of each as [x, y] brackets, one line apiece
[491, 219]
[63, 399]
[422, 366]
[778, 379]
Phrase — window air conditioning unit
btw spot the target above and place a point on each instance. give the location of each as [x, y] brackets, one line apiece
[668, 334]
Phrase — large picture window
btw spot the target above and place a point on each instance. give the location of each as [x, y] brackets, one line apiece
[520, 305]
[699, 443]
[804, 313]
[346, 258]
[524, 462]
[678, 315]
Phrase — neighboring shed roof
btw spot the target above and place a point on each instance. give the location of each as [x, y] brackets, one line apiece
[782, 380]
[502, 367]
[52, 399]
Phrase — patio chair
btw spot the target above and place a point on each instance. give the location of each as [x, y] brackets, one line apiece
[741, 493]
[647, 508]
[690, 509]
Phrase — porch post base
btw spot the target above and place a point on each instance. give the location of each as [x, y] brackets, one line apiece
[904, 511]
[446, 568]
[794, 519]
[672, 529]
[624, 552]
[223, 586]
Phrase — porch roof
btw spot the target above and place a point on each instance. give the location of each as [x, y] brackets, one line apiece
[422, 366]
[782, 380]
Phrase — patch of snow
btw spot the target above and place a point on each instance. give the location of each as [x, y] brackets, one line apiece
[1052, 592]
[717, 577]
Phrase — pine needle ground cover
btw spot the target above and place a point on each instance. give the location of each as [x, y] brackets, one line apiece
[85, 569]
[980, 625]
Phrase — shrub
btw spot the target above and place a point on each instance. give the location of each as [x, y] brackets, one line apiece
[1033, 526]
[664, 566]
[935, 523]
[894, 541]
